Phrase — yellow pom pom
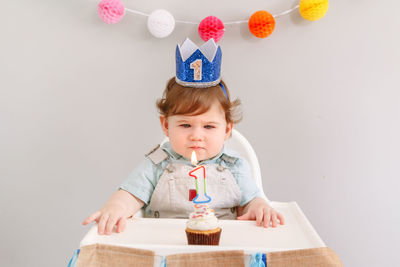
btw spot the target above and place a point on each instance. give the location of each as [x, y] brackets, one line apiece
[313, 9]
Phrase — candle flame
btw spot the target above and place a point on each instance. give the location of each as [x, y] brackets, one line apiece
[194, 158]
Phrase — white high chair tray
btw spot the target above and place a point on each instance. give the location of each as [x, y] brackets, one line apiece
[167, 236]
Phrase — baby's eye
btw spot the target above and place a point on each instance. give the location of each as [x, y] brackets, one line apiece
[209, 127]
[185, 125]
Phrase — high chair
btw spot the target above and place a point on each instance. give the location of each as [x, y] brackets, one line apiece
[240, 144]
[162, 241]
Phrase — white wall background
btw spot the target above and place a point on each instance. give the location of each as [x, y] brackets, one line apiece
[320, 101]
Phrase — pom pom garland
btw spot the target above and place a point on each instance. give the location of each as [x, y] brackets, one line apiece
[313, 9]
[111, 11]
[261, 24]
[161, 23]
[211, 27]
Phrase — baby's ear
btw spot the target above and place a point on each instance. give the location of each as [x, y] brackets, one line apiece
[228, 130]
[164, 124]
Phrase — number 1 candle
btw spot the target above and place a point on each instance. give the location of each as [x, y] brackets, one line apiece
[199, 174]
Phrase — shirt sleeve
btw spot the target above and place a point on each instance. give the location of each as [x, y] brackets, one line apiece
[142, 181]
[242, 173]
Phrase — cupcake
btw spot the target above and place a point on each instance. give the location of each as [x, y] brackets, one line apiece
[202, 227]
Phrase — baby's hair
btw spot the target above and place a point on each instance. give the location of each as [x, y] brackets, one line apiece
[181, 100]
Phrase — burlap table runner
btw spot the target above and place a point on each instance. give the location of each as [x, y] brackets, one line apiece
[98, 255]
[315, 257]
[234, 258]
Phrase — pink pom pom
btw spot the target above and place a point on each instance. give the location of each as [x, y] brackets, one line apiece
[111, 11]
[211, 27]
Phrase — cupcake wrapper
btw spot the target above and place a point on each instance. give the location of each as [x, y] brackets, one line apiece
[203, 239]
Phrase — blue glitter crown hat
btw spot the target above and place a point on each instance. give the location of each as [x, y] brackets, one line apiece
[198, 66]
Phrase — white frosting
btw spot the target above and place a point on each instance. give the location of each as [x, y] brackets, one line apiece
[203, 218]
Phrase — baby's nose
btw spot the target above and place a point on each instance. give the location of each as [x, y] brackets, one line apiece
[196, 135]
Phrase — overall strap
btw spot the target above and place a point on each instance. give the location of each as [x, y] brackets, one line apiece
[228, 159]
[157, 155]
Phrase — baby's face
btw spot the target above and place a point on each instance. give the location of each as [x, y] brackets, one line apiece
[204, 133]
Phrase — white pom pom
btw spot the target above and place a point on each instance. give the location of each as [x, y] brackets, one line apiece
[160, 23]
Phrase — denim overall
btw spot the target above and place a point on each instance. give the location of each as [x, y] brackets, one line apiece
[170, 198]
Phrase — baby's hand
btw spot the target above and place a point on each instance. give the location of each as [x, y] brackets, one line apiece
[107, 217]
[120, 206]
[259, 210]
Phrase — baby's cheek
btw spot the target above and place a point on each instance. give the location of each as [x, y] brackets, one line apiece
[176, 145]
[214, 149]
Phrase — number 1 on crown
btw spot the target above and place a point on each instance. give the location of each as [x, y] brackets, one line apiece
[196, 66]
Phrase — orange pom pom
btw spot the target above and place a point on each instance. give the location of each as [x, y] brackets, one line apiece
[261, 24]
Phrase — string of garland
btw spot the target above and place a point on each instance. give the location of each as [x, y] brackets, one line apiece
[161, 23]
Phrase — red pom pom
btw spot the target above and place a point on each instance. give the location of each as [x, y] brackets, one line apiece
[211, 27]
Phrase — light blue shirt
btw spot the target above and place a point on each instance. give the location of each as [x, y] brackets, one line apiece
[144, 178]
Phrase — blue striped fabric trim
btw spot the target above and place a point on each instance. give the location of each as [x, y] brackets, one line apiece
[257, 260]
[74, 259]
[163, 262]
[264, 258]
